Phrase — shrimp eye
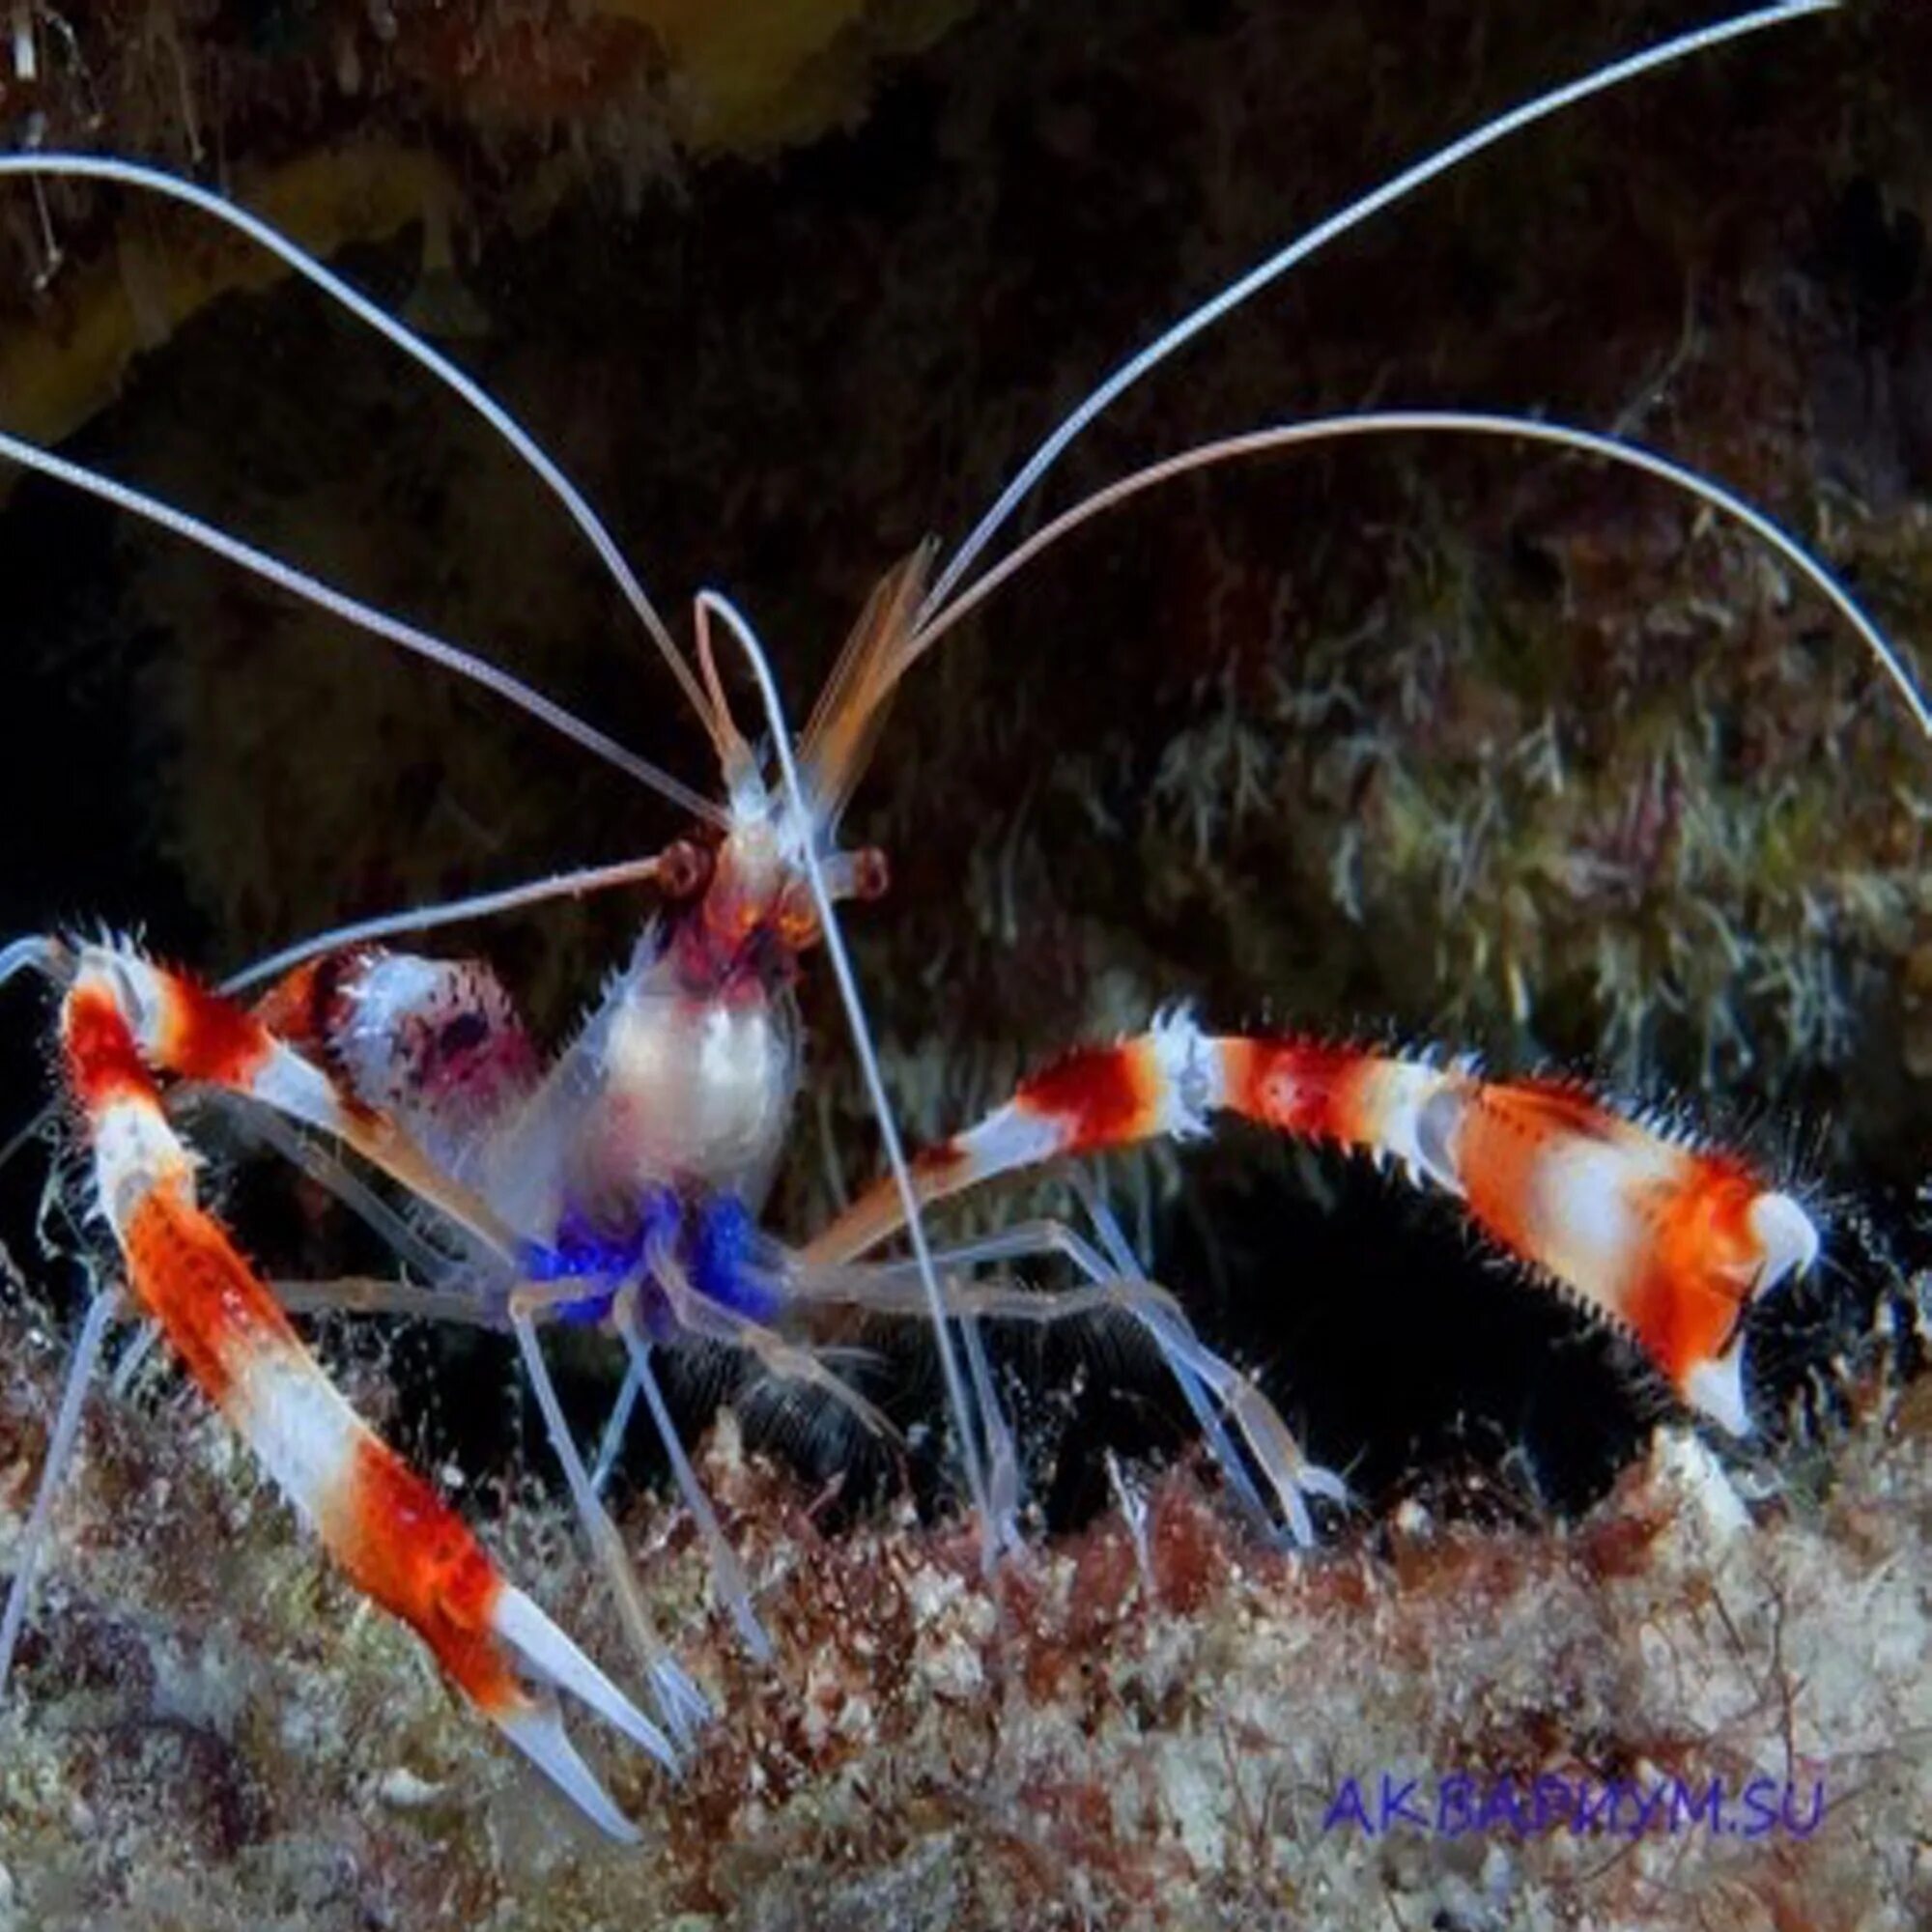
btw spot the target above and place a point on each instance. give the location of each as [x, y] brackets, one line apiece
[686, 870]
[861, 874]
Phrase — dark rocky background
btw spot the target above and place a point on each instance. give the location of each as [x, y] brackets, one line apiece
[1463, 744]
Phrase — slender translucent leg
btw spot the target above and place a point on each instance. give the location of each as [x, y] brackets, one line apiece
[611, 1445]
[101, 1314]
[361, 1294]
[1002, 1455]
[683, 1705]
[373, 1294]
[134, 1358]
[1173, 1334]
[405, 1242]
[1215, 1391]
[726, 1572]
[349, 1295]
[682, 1702]
[787, 1360]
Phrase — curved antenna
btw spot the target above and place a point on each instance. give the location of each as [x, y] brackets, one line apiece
[1462, 423]
[449, 912]
[710, 603]
[364, 616]
[172, 188]
[1318, 237]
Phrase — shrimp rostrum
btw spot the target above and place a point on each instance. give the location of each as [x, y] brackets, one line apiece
[619, 1183]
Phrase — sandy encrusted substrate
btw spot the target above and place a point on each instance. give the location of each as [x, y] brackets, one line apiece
[207, 1730]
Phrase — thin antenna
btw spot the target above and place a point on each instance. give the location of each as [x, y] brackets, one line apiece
[450, 911]
[1277, 265]
[173, 188]
[868, 1064]
[1464, 422]
[309, 589]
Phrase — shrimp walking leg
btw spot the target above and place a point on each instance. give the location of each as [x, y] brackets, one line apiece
[1215, 1391]
[683, 1703]
[522, 1311]
[726, 1571]
[61, 1445]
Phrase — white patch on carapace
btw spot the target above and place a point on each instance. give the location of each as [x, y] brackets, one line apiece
[661, 1086]
[692, 1089]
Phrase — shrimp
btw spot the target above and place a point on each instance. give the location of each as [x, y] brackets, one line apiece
[619, 1183]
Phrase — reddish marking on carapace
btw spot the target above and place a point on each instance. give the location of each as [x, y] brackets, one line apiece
[402, 1545]
[304, 1006]
[1104, 1095]
[188, 1275]
[211, 1037]
[1309, 1088]
[1701, 1264]
[103, 1065]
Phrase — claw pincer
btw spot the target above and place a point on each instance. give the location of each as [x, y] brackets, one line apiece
[393, 1536]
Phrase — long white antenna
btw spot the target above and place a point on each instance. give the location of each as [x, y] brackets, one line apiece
[1462, 423]
[575, 885]
[156, 181]
[364, 616]
[1277, 265]
[868, 1064]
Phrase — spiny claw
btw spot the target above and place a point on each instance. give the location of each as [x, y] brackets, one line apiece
[554, 1658]
[1716, 1390]
[1787, 1236]
[534, 1727]
[533, 1723]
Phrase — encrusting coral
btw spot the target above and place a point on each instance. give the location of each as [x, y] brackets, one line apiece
[1152, 1722]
